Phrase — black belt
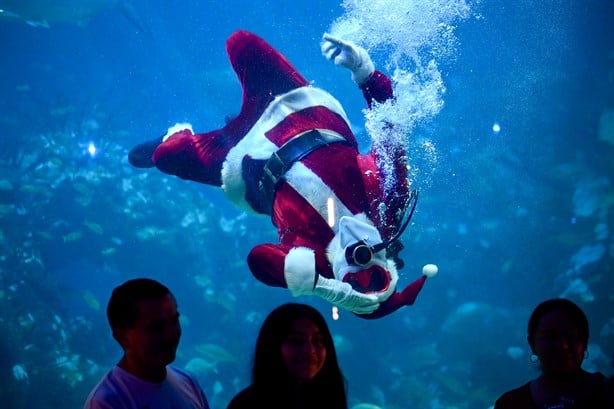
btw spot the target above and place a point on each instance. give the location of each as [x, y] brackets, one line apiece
[290, 152]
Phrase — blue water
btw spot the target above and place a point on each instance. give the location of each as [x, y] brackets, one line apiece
[515, 174]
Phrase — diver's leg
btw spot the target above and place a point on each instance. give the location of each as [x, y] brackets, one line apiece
[266, 261]
[140, 155]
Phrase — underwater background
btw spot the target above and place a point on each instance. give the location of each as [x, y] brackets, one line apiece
[512, 147]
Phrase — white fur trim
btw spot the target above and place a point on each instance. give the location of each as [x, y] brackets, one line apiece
[256, 145]
[336, 255]
[316, 192]
[178, 127]
[300, 270]
[394, 279]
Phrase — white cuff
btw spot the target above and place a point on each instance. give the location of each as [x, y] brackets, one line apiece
[300, 271]
[178, 127]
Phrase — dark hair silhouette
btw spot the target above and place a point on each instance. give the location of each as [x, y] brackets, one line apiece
[574, 312]
[269, 373]
[122, 311]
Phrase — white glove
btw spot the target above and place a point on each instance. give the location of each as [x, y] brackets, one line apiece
[350, 56]
[343, 295]
[300, 274]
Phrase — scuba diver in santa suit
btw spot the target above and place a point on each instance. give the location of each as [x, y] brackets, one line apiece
[290, 154]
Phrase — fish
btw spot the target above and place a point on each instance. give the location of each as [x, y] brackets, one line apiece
[149, 233]
[6, 185]
[366, 406]
[72, 236]
[94, 227]
[108, 251]
[6, 209]
[91, 300]
[83, 189]
[45, 13]
[214, 353]
[200, 366]
[45, 235]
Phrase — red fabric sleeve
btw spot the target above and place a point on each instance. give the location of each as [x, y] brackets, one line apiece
[377, 88]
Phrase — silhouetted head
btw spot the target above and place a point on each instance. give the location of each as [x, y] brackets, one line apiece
[295, 346]
[144, 319]
[122, 309]
[558, 334]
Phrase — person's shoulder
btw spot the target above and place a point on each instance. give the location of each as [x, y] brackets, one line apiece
[599, 390]
[247, 398]
[180, 376]
[519, 397]
[104, 394]
[187, 385]
[597, 377]
[178, 372]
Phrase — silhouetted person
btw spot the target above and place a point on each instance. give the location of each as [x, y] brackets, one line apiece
[558, 334]
[609, 388]
[295, 364]
[144, 319]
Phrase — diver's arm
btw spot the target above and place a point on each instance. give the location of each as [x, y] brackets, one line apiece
[348, 55]
[377, 88]
[375, 85]
[296, 268]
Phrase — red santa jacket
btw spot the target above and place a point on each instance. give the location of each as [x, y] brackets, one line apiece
[325, 199]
